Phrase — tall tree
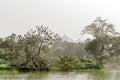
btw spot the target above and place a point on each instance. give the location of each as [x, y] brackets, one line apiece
[102, 32]
[34, 42]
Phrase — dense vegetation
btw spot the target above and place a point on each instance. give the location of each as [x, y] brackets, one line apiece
[42, 49]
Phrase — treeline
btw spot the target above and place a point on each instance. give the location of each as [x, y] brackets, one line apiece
[42, 49]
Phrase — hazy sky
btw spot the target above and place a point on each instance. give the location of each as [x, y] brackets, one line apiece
[61, 16]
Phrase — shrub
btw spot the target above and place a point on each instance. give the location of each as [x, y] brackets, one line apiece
[89, 64]
[4, 66]
[67, 63]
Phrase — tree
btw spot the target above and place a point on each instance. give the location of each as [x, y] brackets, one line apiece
[33, 43]
[29, 51]
[102, 32]
[115, 48]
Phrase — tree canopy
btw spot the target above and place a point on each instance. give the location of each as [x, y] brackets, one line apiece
[102, 32]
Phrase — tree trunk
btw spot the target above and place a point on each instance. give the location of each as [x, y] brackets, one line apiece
[40, 48]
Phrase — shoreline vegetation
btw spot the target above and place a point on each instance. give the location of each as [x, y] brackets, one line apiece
[41, 49]
[65, 63]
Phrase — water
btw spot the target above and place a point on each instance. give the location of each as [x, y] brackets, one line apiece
[76, 75]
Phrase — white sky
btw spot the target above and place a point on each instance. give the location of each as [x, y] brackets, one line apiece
[61, 16]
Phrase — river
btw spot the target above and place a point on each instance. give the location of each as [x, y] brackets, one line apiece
[58, 75]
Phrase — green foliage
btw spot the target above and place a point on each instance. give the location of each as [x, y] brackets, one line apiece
[88, 64]
[31, 52]
[4, 66]
[27, 52]
[2, 61]
[91, 47]
[85, 60]
[2, 54]
[67, 63]
[102, 31]
[115, 48]
[46, 49]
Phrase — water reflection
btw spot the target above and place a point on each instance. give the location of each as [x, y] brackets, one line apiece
[79, 75]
